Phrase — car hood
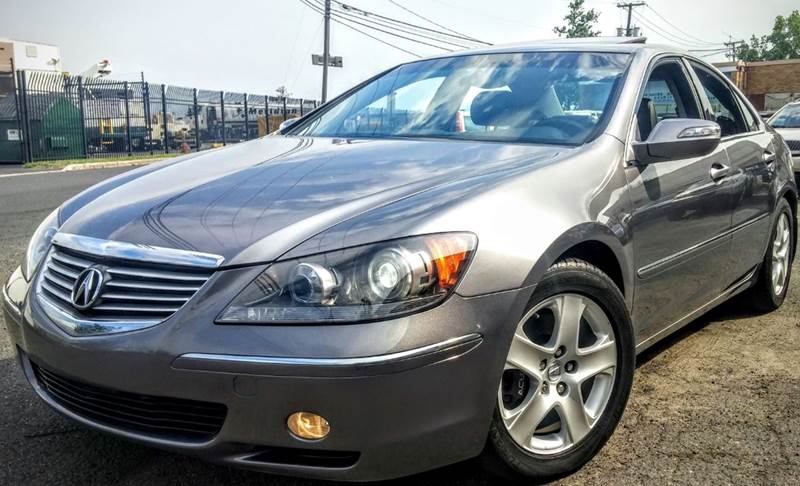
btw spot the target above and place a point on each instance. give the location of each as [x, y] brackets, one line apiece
[284, 189]
[789, 133]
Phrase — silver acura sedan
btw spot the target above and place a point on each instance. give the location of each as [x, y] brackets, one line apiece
[460, 257]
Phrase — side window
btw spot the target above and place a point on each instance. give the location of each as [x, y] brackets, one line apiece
[723, 106]
[663, 98]
[749, 118]
[667, 94]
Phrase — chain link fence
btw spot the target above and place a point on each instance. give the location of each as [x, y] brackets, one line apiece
[53, 116]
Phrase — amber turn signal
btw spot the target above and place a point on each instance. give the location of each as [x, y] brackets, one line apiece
[307, 425]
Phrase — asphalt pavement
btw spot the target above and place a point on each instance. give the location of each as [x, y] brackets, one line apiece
[717, 403]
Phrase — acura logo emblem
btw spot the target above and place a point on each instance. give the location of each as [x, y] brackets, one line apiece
[87, 288]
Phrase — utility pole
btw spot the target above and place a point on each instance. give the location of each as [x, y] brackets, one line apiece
[326, 50]
[630, 6]
[731, 45]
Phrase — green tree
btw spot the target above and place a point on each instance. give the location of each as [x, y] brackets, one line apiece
[782, 43]
[579, 21]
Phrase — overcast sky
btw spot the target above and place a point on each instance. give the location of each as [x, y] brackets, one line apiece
[255, 46]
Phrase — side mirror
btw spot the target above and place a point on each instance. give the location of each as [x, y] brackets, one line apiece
[678, 138]
[287, 123]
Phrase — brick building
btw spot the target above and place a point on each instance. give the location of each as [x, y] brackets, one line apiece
[768, 84]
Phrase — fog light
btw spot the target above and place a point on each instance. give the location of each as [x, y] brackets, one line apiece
[307, 425]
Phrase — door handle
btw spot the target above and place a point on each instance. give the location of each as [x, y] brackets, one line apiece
[718, 171]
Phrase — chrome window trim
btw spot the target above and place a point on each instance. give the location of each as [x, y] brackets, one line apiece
[334, 362]
[137, 252]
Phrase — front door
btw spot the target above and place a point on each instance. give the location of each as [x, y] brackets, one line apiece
[682, 214]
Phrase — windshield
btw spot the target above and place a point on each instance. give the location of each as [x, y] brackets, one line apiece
[538, 97]
[787, 117]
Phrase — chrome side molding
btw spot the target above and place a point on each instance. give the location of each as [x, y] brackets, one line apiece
[281, 366]
[137, 252]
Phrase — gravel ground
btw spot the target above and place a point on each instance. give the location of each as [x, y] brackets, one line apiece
[717, 403]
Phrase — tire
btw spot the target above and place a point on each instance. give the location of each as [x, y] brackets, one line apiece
[570, 280]
[764, 296]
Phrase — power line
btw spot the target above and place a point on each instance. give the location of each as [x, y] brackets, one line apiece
[367, 13]
[377, 39]
[722, 51]
[701, 41]
[422, 17]
[674, 38]
[359, 19]
[342, 23]
[388, 32]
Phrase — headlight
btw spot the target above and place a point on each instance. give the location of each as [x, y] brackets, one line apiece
[363, 283]
[39, 244]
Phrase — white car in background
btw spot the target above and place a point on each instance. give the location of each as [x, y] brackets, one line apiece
[786, 122]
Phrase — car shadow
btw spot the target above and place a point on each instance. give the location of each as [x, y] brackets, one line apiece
[735, 309]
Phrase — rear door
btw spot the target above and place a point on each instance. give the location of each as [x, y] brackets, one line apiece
[682, 213]
[751, 156]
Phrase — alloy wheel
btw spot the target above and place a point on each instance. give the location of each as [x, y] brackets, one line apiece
[558, 375]
[780, 254]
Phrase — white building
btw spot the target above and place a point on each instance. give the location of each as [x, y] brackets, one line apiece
[19, 54]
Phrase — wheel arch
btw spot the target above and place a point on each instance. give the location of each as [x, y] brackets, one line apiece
[789, 193]
[596, 244]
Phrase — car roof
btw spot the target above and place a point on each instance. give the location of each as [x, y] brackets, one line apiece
[583, 44]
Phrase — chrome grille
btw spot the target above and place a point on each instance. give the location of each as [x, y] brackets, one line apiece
[794, 145]
[132, 290]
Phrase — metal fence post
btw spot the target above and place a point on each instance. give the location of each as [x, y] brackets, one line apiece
[23, 79]
[301, 107]
[246, 119]
[164, 117]
[18, 110]
[196, 123]
[148, 126]
[266, 111]
[284, 109]
[222, 115]
[127, 120]
[83, 118]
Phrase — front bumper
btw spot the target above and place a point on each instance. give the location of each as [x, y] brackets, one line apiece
[402, 396]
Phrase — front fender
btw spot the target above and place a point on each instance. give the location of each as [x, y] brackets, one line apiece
[614, 239]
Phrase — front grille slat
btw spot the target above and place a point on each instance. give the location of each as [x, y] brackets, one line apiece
[152, 286]
[58, 281]
[71, 260]
[104, 406]
[164, 417]
[167, 405]
[56, 292]
[136, 308]
[144, 297]
[146, 274]
[794, 145]
[131, 290]
[63, 270]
